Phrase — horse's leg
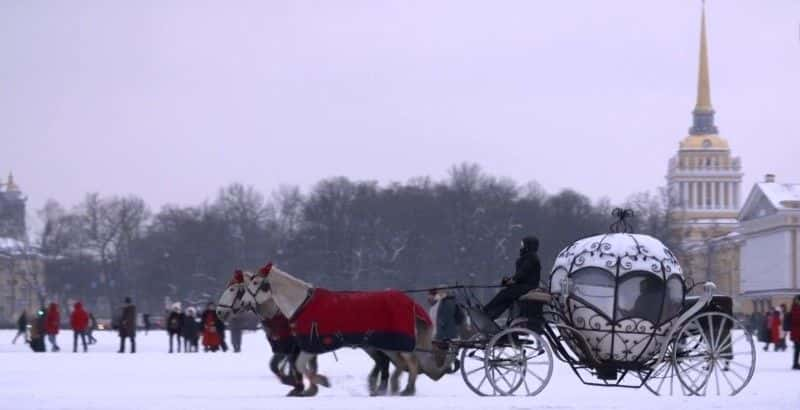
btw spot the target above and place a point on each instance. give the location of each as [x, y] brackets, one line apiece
[413, 369]
[303, 365]
[383, 364]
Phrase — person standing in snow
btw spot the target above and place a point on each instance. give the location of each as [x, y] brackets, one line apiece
[52, 325]
[79, 320]
[212, 339]
[190, 330]
[22, 326]
[775, 327]
[127, 326]
[526, 278]
[175, 325]
[795, 331]
[146, 320]
[236, 325]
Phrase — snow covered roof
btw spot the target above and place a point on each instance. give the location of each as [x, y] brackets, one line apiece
[782, 196]
[11, 244]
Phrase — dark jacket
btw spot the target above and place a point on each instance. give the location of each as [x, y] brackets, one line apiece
[175, 322]
[22, 322]
[528, 268]
[127, 321]
[190, 329]
[447, 318]
[796, 323]
[787, 321]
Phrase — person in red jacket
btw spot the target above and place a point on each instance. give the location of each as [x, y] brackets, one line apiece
[775, 325]
[52, 323]
[795, 321]
[79, 320]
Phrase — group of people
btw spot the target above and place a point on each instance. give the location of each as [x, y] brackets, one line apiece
[778, 325]
[46, 323]
[185, 328]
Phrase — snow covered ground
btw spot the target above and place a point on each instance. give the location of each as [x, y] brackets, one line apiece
[153, 379]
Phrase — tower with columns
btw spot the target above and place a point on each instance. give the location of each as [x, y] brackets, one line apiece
[703, 178]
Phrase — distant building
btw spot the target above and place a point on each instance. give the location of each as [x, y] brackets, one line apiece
[770, 251]
[704, 184]
[21, 266]
[12, 210]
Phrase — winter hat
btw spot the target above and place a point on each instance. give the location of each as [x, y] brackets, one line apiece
[176, 307]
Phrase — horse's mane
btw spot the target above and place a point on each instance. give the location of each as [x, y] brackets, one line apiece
[290, 278]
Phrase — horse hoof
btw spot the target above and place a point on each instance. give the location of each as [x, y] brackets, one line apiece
[311, 391]
[296, 392]
[407, 392]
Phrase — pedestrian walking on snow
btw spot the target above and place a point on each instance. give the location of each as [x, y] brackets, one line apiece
[22, 326]
[79, 321]
[52, 325]
[190, 331]
[127, 326]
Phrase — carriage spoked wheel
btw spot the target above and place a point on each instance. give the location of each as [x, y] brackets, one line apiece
[518, 362]
[473, 368]
[663, 379]
[714, 355]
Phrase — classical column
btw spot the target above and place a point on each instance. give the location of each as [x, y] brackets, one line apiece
[729, 195]
[713, 195]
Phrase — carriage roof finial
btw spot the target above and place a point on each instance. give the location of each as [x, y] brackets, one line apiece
[621, 225]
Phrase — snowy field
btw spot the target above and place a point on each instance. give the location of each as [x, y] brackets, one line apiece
[153, 379]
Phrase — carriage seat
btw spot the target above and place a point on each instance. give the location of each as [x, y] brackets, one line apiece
[536, 295]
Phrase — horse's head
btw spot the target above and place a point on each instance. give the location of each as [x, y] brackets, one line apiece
[257, 287]
[230, 302]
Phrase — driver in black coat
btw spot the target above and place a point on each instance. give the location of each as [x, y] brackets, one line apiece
[526, 278]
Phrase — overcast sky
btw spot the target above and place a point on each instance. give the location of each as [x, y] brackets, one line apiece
[170, 100]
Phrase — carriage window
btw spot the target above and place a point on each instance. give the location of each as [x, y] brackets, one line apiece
[640, 295]
[673, 303]
[596, 287]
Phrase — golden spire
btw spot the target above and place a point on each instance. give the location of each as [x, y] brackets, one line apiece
[703, 85]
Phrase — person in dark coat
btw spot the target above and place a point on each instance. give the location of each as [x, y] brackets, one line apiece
[127, 326]
[526, 278]
[79, 321]
[175, 325]
[37, 331]
[22, 326]
[190, 331]
[236, 325]
[91, 328]
[795, 331]
[52, 325]
[445, 313]
[146, 320]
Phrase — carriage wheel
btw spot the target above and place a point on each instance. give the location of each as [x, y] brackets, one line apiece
[473, 369]
[715, 355]
[518, 362]
[663, 381]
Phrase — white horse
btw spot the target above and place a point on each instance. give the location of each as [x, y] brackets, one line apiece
[291, 294]
[232, 302]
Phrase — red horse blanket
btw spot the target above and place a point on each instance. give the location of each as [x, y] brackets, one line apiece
[384, 320]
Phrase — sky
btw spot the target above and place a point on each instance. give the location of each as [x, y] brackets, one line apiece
[170, 100]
